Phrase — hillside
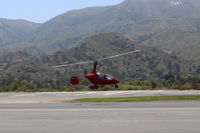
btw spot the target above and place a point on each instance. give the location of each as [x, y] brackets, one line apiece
[172, 26]
[149, 63]
[15, 31]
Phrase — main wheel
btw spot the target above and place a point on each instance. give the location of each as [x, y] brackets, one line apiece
[93, 87]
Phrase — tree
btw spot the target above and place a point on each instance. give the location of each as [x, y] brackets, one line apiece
[17, 84]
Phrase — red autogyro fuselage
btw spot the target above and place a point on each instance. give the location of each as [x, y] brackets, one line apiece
[100, 78]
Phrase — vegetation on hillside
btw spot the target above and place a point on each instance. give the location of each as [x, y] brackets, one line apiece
[169, 82]
[150, 63]
[21, 72]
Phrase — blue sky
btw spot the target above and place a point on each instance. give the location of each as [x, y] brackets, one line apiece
[43, 10]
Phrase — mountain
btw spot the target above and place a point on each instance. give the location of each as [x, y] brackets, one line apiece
[170, 25]
[149, 63]
[15, 31]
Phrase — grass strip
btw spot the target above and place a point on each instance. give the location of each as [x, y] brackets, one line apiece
[143, 98]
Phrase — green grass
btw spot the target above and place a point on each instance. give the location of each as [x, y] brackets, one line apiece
[144, 98]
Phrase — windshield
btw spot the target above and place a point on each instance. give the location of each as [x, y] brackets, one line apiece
[105, 76]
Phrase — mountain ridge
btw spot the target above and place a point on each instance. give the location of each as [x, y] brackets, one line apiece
[147, 64]
[146, 21]
[166, 25]
[13, 31]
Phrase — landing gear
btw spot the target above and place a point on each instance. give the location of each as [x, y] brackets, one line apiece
[93, 87]
[116, 86]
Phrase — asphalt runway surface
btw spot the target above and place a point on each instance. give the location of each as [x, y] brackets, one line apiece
[48, 112]
[55, 97]
[122, 117]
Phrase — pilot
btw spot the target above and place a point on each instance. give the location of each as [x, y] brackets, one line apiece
[104, 77]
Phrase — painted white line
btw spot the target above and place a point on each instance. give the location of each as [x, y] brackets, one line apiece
[113, 93]
[111, 109]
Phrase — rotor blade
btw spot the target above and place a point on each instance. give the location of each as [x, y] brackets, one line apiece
[79, 63]
[135, 51]
[101, 59]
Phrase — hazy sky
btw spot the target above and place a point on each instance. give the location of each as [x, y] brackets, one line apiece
[43, 10]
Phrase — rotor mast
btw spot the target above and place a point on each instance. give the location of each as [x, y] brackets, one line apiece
[94, 67]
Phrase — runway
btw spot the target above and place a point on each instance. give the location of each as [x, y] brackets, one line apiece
[125, 117]
[55, 97]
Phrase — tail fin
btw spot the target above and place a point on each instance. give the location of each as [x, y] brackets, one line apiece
[74, 80]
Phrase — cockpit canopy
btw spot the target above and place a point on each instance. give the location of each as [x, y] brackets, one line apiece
[105, 76]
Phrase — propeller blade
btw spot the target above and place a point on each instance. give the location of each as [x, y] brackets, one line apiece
[101, 59]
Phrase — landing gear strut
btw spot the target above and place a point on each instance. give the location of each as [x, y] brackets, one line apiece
[116, 86]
